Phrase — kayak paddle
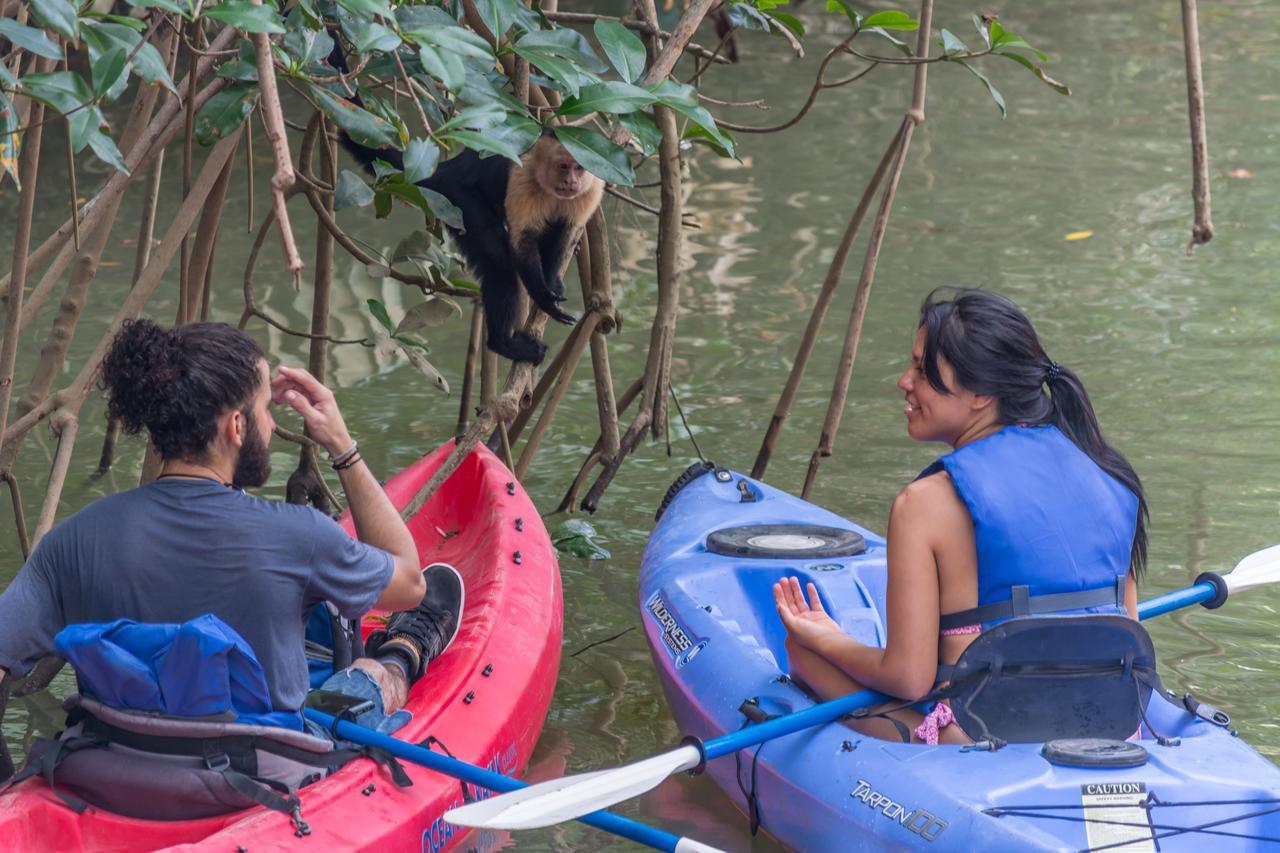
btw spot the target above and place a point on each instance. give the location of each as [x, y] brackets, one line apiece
[569, 797]
[480, 777]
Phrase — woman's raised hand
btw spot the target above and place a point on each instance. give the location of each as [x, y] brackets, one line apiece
[804, 618]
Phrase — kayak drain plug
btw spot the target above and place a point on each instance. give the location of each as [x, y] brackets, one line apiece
[516, 557]
[369, 790]
[487, 671]
[519, 525]
[511, 488]
[469, 698]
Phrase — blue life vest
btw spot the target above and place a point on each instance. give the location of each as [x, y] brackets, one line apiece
[201, 668]
[1054, 532]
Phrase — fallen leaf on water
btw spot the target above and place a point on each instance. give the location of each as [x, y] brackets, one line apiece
[1078, 235]
[1239, 173]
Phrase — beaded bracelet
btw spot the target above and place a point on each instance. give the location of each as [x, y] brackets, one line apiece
[335, 461]
[347, 463]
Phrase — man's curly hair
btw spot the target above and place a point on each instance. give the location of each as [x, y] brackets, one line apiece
[176, 382]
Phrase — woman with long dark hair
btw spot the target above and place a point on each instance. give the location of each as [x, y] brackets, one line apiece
[1031, 512]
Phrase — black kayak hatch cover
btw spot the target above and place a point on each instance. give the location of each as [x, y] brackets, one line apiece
[1094, 752]
[785, 540]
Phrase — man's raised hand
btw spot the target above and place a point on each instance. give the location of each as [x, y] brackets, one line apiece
[307, 396]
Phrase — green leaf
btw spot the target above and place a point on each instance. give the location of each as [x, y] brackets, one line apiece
[1017, 43]
[901, 45]
[10, 140]
[444, 65]
[488, 88]
[183, 9]
[1060, 88]
[62, 90]
[351, 191]
[246, 16]
[146, 61]
[7, 78]
[991, 90]
[623, 48]
[675, 94]
[443, 209]
[416, 245]
[519, 131]
[238, 69]
[30, 39]
[376, 37]
[434, 312]
[565, 43]
[597, 155]
[379, 312]
[951, 44]
[698, 133]
[477, 117]
[363, 126]
[413, 350]
[82, 124]
[366, 8]
[646, 133]
[840, 6]
[891, 20]
[452, 38]
[564, 73]
[791, 22]
[982, 29]
[382, 205]
[106, 151]
[420, 158]
[107, 70]
[498, 15]
[576, 536]
[225, 112]
[59, 16]
[672, 96]
[486, 143]
[612, 96]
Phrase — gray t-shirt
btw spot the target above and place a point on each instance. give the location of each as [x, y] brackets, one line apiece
[176, 549]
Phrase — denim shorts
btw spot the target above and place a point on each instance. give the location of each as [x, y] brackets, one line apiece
[358, 684]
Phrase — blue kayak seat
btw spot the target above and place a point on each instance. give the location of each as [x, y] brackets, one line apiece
[1041, 678]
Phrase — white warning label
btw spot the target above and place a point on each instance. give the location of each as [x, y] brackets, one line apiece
[1115, 818]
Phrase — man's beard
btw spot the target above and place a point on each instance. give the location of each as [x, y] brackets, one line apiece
[253, 466]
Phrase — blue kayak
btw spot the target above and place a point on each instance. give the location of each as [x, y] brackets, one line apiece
[722, 541]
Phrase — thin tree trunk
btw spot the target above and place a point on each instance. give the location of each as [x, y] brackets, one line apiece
[1203, 231]
[844, 371]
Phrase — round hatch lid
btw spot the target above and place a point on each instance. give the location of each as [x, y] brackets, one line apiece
[1094, 752]
[790, 541]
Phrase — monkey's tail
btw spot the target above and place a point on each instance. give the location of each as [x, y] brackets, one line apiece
[725, 30]
[363, 154]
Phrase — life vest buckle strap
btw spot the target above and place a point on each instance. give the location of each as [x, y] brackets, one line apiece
[1035, 605]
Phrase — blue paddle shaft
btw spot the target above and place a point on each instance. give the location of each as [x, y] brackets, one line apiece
[1176, 600]
[836, 708]
[785, 725]
[629, 829]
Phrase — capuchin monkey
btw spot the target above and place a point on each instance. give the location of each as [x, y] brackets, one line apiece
[520, 225]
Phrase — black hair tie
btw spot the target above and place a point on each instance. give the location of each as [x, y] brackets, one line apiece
[1051, 375]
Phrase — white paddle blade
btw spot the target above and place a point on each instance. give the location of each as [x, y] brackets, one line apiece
[569, 797]
[1257, 569]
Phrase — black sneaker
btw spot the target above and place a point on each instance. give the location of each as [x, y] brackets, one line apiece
[430, 627]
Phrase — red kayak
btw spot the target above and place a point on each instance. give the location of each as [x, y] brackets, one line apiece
[484, 700]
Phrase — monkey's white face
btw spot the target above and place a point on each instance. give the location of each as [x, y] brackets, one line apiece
[561, 175]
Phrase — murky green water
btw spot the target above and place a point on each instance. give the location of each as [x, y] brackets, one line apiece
[1177, 352]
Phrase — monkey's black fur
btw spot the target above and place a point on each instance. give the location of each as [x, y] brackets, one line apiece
[478, 188]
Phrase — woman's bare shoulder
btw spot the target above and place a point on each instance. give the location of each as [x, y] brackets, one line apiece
[932, 497]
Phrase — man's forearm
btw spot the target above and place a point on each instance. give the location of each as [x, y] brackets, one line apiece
[376, 520]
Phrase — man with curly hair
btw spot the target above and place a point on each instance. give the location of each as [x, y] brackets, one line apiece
[192, 542]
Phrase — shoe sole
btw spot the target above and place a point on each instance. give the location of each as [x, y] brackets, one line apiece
[462, 602]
